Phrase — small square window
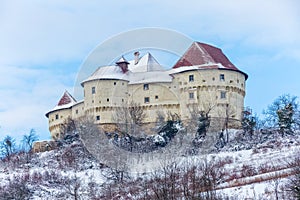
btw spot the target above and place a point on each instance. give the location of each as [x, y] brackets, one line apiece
[97, 117]
[107, 99]
[76, 111]
[223, 95]
[56, 116]
[146, 99]
[93, 90]
[156, 97]
[146, 86]
[115, 83]
[191, 95]
[213, 78]
[191, 78]
[222, 77]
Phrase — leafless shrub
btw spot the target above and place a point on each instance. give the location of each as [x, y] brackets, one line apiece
[16, 188]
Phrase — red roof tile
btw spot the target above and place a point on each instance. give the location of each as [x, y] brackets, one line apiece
[200, 54]
[66, 99]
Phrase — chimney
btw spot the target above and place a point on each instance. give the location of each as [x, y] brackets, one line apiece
[136, 57]
[123, 64]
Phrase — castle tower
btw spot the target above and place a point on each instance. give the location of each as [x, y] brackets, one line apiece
[209, 81]
[61, 112]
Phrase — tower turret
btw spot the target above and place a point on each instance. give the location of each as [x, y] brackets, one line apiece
[123, 64]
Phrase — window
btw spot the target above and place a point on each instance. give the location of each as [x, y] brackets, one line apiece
[147, 100]
[115, 83]
[191, 78]
[223, 95]
[76, 111]
[93, 90]
[146, 86]
[222, 77]
[56, 116]
[97, 117]
[156, 97]
[213, 78]
[191, 95]
[107, 99]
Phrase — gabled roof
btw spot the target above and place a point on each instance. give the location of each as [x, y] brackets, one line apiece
[147, 63]
[66, 101]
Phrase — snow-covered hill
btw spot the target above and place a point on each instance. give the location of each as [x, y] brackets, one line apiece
[242, 169]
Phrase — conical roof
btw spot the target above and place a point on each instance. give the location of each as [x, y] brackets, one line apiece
[147, 63]
[205, 56]
[66, 101]
[122, 60]
[67, 98]
[200, 54]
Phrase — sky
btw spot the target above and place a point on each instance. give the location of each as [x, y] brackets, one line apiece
[43, 45]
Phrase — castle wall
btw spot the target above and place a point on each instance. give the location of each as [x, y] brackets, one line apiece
[78, 110]
[56, 118]
[101, 97]
[220, 91]
[213, 90]
[154, 97]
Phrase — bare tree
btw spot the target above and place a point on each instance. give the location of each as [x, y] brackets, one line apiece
[8, 147]
[29, 139]
[71, 186]
[129, 118]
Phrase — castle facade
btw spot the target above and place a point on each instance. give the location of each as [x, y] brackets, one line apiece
[203, 79]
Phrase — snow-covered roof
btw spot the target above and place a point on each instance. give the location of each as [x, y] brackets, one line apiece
[147, 63]
[146, 70]
[108, 72]
[66, 101]
[196, 67]
[150, 77]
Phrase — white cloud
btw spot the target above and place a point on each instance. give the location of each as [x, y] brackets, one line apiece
[38, 35]
[26, 95]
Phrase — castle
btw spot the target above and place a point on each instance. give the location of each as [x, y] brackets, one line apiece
[202, 78]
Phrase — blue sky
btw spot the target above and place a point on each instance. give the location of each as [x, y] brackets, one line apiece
[44, 43]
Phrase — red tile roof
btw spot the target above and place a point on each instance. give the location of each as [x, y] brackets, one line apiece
[200, 54]
[66, 99]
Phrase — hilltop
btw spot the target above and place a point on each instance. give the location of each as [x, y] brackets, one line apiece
[244, 168]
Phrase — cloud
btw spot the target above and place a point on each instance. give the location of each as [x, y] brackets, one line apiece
[36, 31]
[44, 42]
[26, 95]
